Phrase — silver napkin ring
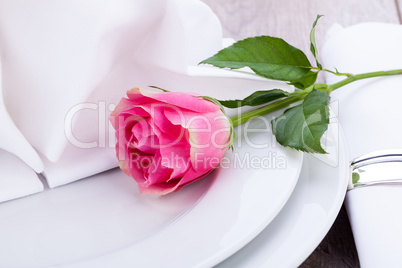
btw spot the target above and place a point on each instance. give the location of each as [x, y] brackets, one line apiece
[377, 168]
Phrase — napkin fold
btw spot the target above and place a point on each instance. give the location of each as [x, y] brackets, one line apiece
[66, 64]
[369, 112]
[17, 179]
[12, 140]
[19, 161]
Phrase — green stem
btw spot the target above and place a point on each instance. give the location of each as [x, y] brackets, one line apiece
[362, 76]
[243, 118]
[337, 73]
[300, 95]
[332, 72]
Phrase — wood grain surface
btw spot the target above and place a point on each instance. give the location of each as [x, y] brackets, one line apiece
[399, 7]
[292, 21]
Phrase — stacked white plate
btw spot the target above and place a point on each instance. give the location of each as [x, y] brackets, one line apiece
[265, 193]
[103, 220]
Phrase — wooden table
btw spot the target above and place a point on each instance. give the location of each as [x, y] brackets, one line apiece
[292, 21]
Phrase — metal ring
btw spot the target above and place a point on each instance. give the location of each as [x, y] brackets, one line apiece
[377, 168]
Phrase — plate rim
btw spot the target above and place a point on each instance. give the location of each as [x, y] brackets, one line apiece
[123, 255]
[309, 246]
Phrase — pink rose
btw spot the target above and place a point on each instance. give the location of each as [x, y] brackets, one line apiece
[168, 140]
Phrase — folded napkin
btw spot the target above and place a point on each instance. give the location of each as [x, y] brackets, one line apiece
[17, 179]
[370, 114]
[18, 160]
[66, 64]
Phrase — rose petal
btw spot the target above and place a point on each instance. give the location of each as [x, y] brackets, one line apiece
[146, 139]
[135, 96]
[192, 176]
[158, 173]
[183, 100]
[178, 158]
[123, 105]
[124, 122]
[159, 119]
[168, 139]
[160, 188]
[209, 135]
[136, 110]
[133, 164]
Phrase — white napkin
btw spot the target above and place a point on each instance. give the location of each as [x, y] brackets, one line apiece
[64, 62]
[16, 177]
[370, 114]
[67, 63]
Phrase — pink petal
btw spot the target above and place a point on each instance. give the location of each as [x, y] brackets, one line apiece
[183, 100]
[162, 123]
[124, 122]
[192, 176]
[136, 110]
[136, 96]
[209, 135]
[133, 164]
[177, 158]
[145, 138]
[157, 173]
[160, 188]
[123, 105]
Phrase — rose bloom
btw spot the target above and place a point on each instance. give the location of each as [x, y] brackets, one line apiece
[166, 140]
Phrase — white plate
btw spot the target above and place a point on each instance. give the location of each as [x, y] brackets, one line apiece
[102, 221]
[307, 216]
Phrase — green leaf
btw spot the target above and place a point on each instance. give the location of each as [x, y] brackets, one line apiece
[267, 56]
[306, 81]
[313, 45]
[257, 98]
[301, 127]
[355, 177]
